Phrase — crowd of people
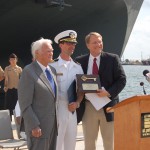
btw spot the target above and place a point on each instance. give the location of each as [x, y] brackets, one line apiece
[49, 116]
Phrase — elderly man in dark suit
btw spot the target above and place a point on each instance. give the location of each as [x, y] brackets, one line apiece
[37, 98]
[113, 79]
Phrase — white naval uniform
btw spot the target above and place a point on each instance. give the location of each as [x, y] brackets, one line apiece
[67, 121]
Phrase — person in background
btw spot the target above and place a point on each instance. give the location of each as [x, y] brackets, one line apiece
[37, 95]
[1, 74]
[12, 74]
[66, 70]
[113, 79]
[18, 120]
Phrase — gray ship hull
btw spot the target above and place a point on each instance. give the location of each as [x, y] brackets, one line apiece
[24, 21]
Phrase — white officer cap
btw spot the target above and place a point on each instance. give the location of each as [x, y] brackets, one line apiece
[66, 36]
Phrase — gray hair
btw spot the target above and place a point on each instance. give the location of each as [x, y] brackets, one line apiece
[37, 45]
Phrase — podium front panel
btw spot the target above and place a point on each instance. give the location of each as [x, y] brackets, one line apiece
[126, 127]
[128, 124]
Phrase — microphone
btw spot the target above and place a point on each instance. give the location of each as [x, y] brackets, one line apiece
[142, 84]
[146, 73]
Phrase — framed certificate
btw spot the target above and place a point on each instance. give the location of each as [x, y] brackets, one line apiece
[88, 83]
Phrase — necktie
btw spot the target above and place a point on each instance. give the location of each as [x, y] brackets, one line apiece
[95, 67]
[51, 81]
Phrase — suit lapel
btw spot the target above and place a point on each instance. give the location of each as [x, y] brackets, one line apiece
[85, 64]
[102, 63]
[54, 77]
[42, 76]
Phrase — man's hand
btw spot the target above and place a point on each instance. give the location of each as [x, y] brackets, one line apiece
[102, 93]
[73, 106]
[36, 132]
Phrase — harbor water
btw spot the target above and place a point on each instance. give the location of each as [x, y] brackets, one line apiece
[134, 75]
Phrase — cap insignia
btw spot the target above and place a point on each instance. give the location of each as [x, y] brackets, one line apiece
[72, 35]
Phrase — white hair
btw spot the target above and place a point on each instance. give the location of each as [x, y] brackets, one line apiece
[37, 45]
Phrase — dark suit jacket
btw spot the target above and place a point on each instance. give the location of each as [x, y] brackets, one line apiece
[112, 76]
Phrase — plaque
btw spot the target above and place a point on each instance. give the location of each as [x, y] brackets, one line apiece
[145, 125]
[88, 83]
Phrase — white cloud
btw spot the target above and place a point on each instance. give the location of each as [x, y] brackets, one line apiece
[138, 45]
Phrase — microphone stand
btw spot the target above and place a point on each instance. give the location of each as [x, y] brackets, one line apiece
[142, 84]
[144, 90]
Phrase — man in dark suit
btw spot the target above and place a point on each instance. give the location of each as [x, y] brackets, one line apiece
[37, 98]
[113, 79]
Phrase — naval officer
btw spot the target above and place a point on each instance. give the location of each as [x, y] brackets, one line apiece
[66, 70]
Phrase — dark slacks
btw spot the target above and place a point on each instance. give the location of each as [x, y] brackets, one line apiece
[11, 97]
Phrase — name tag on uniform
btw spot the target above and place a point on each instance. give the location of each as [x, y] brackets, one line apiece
[59, 74]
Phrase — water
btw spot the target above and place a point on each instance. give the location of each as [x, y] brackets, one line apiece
[134, 75]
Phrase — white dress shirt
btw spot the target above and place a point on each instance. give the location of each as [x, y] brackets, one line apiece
[90, 64]
[90, 68]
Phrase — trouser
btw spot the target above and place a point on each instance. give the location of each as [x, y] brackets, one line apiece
[11, 98]
[92, 121]
[67, 128]
[43, 143]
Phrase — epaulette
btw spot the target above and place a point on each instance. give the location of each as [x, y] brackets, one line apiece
[55, 60]
[77, 62]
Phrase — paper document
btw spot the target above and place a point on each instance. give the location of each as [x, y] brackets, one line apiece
[97, 102]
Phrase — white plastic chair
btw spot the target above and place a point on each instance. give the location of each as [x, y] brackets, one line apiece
[6, 133]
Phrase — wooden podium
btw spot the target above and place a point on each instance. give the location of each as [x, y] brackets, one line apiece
[132, 123]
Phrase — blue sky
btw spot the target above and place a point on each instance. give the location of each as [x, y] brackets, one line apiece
[138, 45]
